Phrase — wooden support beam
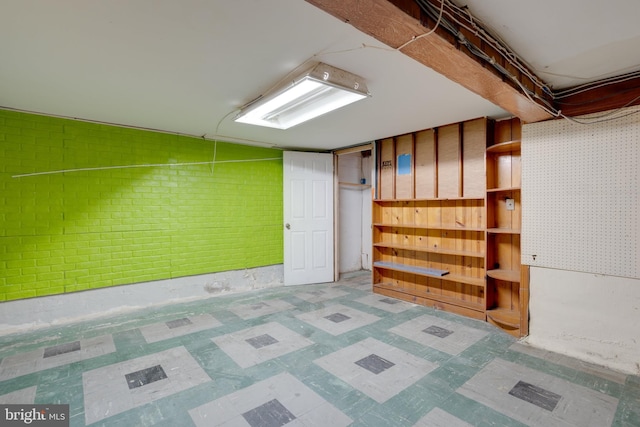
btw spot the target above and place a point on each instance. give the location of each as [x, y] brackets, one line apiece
[393, 26]
[604, 98]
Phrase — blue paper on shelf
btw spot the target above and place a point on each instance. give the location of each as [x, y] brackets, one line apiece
[412, 269]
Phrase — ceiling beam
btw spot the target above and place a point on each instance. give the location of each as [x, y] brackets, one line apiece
[599, 97]
[394, 26]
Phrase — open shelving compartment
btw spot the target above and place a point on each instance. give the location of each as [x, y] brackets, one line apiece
[431, 252]
[507, 280]
[446, 221]
[429, 218]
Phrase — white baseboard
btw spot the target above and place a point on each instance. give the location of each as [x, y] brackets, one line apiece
[35, 313]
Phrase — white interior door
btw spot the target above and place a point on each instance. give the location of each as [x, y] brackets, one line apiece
[308, 218]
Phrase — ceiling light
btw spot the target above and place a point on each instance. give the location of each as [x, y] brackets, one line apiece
[321, 89]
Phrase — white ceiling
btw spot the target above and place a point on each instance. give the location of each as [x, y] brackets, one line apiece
[568, 42]
[187, 66]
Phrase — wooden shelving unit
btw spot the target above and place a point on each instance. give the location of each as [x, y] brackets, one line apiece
[433, 250]
[429, 222]
[504, 318]
[503, 230]
[446, 221]
[507, 291]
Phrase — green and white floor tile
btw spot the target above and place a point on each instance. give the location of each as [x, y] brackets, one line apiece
[318, 355]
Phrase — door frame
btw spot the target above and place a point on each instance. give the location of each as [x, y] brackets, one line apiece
[336, 198]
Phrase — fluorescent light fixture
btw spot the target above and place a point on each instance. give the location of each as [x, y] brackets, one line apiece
[321, 89]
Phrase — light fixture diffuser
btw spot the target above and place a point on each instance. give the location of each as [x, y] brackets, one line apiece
[321, 89]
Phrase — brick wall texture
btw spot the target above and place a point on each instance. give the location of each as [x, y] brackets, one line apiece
[94, 228]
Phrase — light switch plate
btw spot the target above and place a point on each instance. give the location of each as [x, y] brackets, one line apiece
[511, 204]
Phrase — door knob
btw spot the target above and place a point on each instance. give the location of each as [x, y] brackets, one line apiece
[288, 226]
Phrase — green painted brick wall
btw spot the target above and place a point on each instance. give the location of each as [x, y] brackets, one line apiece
[80, 230]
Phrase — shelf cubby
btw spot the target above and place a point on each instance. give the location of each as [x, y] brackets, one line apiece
[507, 280]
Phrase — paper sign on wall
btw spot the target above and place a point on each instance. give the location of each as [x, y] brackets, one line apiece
[404, 164]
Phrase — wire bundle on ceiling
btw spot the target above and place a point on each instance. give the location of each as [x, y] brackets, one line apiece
[452, 17]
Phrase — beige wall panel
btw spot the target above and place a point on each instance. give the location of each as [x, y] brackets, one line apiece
[425, 164]
[387, 168]
[449, 161]
[474, 143]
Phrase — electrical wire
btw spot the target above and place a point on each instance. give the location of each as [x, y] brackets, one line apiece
[600, 77]
[606, 117]
[353, 49]
[589, 122]
[559, 93]
[429, 9]
[435, 27]
[590, 100]
[483, 35]
[490, 35]
[464, 19]
[150, 165]
[547, 107]
[215, 152]
[595, 85]
[461, 15]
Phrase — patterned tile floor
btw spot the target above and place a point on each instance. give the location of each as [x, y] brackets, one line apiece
[318, 355]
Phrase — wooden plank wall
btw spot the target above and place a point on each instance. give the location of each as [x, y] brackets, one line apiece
[426, 177]
[386, 169]
[475, 141]
[449, 162]
[405, 169]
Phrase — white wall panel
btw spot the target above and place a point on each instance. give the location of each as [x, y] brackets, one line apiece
[354, 213]
[581, 210]
[588, 316]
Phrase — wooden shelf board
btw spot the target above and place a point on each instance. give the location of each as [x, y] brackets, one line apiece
[435, 297]
[428, 227]
[504, 147]
[432, 199]
[474, 281]
[503, 230]
[506, 317]
[505, 189]
[430, 250]
[355, 185]
[506, 275]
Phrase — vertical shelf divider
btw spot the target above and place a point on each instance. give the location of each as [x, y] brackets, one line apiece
[507, 280]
